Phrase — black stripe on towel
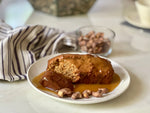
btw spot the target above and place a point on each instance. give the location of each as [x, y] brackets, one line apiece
[13, 67]
[32, 42]
[2, 59]
[9, 60]
[47, 50]
[16, 55]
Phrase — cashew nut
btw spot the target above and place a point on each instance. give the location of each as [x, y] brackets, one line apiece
[97, 94]
[64, 92]
[87, 93]
[76, 95]
[103, 90]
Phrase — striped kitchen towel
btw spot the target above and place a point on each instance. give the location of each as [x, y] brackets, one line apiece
[22, 46]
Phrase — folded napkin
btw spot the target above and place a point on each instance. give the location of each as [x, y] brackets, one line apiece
[22, 46]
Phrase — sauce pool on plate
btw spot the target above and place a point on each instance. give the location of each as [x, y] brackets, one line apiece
[81, 87]
[93, 87]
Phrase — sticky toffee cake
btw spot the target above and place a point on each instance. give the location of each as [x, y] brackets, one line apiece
[88, 69]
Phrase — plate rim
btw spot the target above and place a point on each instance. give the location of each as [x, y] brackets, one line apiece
[81, 101]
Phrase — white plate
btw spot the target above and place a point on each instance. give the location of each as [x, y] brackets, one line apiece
[40, 66]
[132, 17]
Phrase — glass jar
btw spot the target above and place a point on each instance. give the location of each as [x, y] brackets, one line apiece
[95, 40]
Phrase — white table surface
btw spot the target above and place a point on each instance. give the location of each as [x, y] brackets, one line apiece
[20, 97]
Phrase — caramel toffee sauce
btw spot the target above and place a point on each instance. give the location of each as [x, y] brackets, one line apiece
[81, 87]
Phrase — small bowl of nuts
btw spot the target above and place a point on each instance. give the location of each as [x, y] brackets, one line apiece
[95, 40]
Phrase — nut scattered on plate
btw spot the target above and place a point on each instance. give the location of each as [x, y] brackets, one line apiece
[66, 92]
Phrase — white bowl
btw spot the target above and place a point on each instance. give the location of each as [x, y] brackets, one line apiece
[143, 8]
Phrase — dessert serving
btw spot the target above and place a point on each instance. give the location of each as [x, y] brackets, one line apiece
[82, 68]
[78, 76]
[50, 81]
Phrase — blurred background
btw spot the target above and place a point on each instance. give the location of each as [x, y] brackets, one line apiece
[15, 12]
[69, 15]
[19, 12]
